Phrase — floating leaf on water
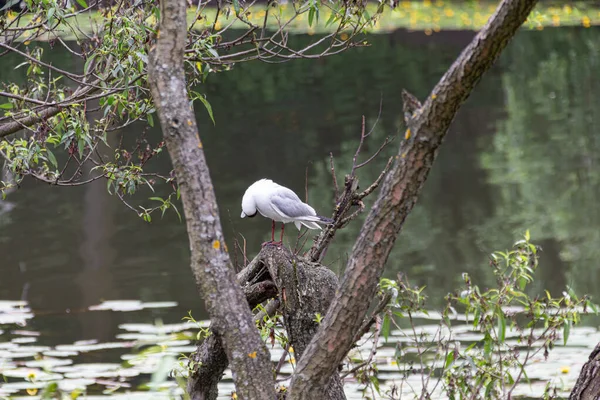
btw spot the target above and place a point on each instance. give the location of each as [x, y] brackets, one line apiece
[59, 353]
[30, 349]
[11, 304]
[167, 328]
[130, 305]
[118, 305]
[48, 363]
[83, 348]
[160, 304]
[23, 340]
[144, 337]
[15, 317]
[25, 333]
[37, 374]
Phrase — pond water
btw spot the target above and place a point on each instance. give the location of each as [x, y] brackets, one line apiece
[522, 154]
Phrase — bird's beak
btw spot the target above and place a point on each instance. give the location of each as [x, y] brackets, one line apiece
[243, 214]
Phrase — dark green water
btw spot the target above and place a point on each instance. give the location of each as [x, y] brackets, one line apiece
[522, 154]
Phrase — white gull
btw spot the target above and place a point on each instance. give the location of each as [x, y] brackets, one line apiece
[280, 204]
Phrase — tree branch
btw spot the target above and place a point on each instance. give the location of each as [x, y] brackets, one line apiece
[399, 192]
[226, 304]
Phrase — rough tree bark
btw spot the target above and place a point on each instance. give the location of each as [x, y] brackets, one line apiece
[230, 315]
[305, 289]
[587, 386]
[427, 126]
[210, 360]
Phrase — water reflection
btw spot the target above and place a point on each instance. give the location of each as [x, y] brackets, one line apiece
[521, 154]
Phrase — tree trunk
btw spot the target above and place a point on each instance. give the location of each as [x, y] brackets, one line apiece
[427, 126]
[305, 291]
[210, 360]
[226, 304]
[587, 386]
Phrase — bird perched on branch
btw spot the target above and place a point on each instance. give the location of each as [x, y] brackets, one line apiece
[279, 204]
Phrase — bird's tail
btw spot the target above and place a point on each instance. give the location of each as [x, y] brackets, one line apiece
[311, 222]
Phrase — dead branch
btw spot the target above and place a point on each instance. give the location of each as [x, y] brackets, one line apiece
[348, 204]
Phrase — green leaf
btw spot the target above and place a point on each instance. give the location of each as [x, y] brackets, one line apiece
[6, 105]
[208, 107]
[50, 15]
[449, 359]
[236, 6]
[522, 283]
[488, 389]
[566, 331]
[375, 383]
[527, 235]
[150, 120]
[176, 211]
[52, 159]
[501, 326]
[311, 15]
[385, 328]
[81, 147]
[330, 19]
[82, 3]
[487, 345]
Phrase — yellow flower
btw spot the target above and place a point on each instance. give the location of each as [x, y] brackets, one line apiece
[555, 20]
[449, 12]
[565, 369]
[217, 245]
[586, 21]
[252, 355]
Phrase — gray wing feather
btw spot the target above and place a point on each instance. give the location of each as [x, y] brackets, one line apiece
[292, 207]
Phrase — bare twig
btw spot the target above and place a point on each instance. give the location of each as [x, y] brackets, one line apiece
[378, 326]
[336, 190]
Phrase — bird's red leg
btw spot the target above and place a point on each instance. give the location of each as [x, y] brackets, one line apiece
[273, 231]
[281, 237]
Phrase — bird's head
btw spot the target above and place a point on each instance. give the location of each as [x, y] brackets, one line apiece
[248, 205]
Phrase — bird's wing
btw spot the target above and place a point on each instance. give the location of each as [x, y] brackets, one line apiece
[289, 205]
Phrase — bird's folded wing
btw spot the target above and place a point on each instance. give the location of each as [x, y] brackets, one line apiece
[288, 207]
